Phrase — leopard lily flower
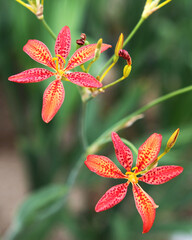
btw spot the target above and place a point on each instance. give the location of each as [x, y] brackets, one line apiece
[54, 94]
[147, 154]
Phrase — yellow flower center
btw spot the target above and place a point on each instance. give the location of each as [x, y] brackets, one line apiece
[59, 64]
[131, 176]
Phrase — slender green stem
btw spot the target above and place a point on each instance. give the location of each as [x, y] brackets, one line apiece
[83, 124]
[99, 141]
[130, 145]
[113, 83]
[125, 43]
[48, 29]
[74, 173]
[133, 31]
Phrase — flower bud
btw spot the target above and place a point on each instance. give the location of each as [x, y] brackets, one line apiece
[83, 36]
[124, 54]
[172, 140]
[119, 45]
[98, 49]
[126, 71]
[81, 41]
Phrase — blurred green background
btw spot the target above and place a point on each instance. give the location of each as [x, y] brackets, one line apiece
[161, 52]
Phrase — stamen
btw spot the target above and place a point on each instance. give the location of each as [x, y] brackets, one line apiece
[56, 62]
[59, 56]
[135, 168]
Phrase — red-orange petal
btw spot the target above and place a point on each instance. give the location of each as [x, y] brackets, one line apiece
[145, 206]
[53, 98]
[123, 153]
[39, 52]
[112, 197]
[160, 175]
[148, 151]
[83, 79]
[63, 43]
[103, 166]
[84, 54]
[31, 75]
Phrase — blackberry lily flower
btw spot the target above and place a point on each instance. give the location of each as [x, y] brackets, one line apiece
[54, 94]
[147, 154]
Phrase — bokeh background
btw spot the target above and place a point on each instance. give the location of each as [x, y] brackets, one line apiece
[36, 158]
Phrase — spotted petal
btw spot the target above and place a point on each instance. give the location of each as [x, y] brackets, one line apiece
[63, 43]
[123, 153]
[83, 79]
[112, 197]
[103, 166]
[53, 98]
[148, 151]
[39, 52]
[32, 75]
[84, 54]
[145, 206]
[160, 175]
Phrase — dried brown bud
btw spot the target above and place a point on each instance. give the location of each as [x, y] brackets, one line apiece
[80, 42]
[83, 36]
[124, 54]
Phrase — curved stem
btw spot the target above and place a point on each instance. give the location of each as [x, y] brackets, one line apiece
[83, 126]
[74, 173]
[125, 43]
[113, 83]
[99, 141]
[105, 73]
[141, 20]
[48, 29]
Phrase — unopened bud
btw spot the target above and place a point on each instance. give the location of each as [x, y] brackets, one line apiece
[172, 140]
[124, 54]
[98, 49]
[126, 71]
[119, 44]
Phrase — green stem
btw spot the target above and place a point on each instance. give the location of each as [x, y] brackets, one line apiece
[125, 43]
[130, 145]
[48, 29]
[113, 83]
[99, 141]
[83, 128]
[74, 173]
[133, 31]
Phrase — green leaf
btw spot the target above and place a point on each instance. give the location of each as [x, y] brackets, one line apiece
[41, 205]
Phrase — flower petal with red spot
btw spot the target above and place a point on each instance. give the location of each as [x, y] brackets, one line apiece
[83, 79]
[148, 151]
[53, 98]
[84, 54]
[112, 197]
[63, 43]
[32, 75]
[39, 52]
[160, 175]
[145, 206]
[103, 166]
[123, 153]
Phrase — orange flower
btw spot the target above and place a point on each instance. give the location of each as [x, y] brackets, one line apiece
[147, 154]
[54, 94]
